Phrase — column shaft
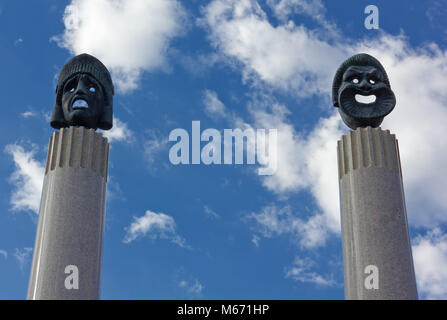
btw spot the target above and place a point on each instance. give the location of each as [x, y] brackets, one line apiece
[374, 218]
[71, 220]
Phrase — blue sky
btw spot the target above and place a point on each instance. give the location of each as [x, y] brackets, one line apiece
[222, 231]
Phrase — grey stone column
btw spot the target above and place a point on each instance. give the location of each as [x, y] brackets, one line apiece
[375, 236]
[70, 231]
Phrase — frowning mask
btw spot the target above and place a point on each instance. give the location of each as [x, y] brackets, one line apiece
[84, 95]
[362, 92]
[82, 101]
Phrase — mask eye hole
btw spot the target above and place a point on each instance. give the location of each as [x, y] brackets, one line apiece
[372, 81]
[92, 89]
[70, 86]
[355, 80]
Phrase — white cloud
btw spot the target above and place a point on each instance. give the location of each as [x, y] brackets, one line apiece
[304, 162]
[155, 144]
[28, 114]
[321, 168]
[4, 253]
[213, 106]
[18, 41]
[315, 9]
[301, 271]
[154, 225]
[27, 179]
[273, 221]
[47, 115]
[430, 263]
[119, 132]
[288, 57]
[23, 256]
[129, 37]
[255, 239]
[284, 8]
[210, 212]
[114, 191]
[195, 287]
[241, 31]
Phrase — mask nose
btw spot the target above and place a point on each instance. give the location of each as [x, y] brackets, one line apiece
[81, 88]
[364, 85]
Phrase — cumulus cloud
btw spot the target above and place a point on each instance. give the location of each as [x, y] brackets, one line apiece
[430, 263]
[213, 106]
[240, 30]
[301, 271]
[154, 145]
[27, 179]
[4, 253]
[274, 221]
[119, 133]
[287, 57]
[129, 37]
[303, 161]
[155, 225]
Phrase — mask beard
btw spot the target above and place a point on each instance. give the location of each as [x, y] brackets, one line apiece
[356, 114]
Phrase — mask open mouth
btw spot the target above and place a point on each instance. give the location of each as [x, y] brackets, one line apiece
[365, 99]
[80, 104]
[361, 108]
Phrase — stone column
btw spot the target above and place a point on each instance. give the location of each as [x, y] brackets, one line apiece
[70, 231]
[378, 263]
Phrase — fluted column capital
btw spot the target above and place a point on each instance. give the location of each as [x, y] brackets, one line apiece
[367, 147]
[78, 147]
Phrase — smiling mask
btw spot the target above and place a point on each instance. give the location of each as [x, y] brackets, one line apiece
[362, 92]
[84, 95]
